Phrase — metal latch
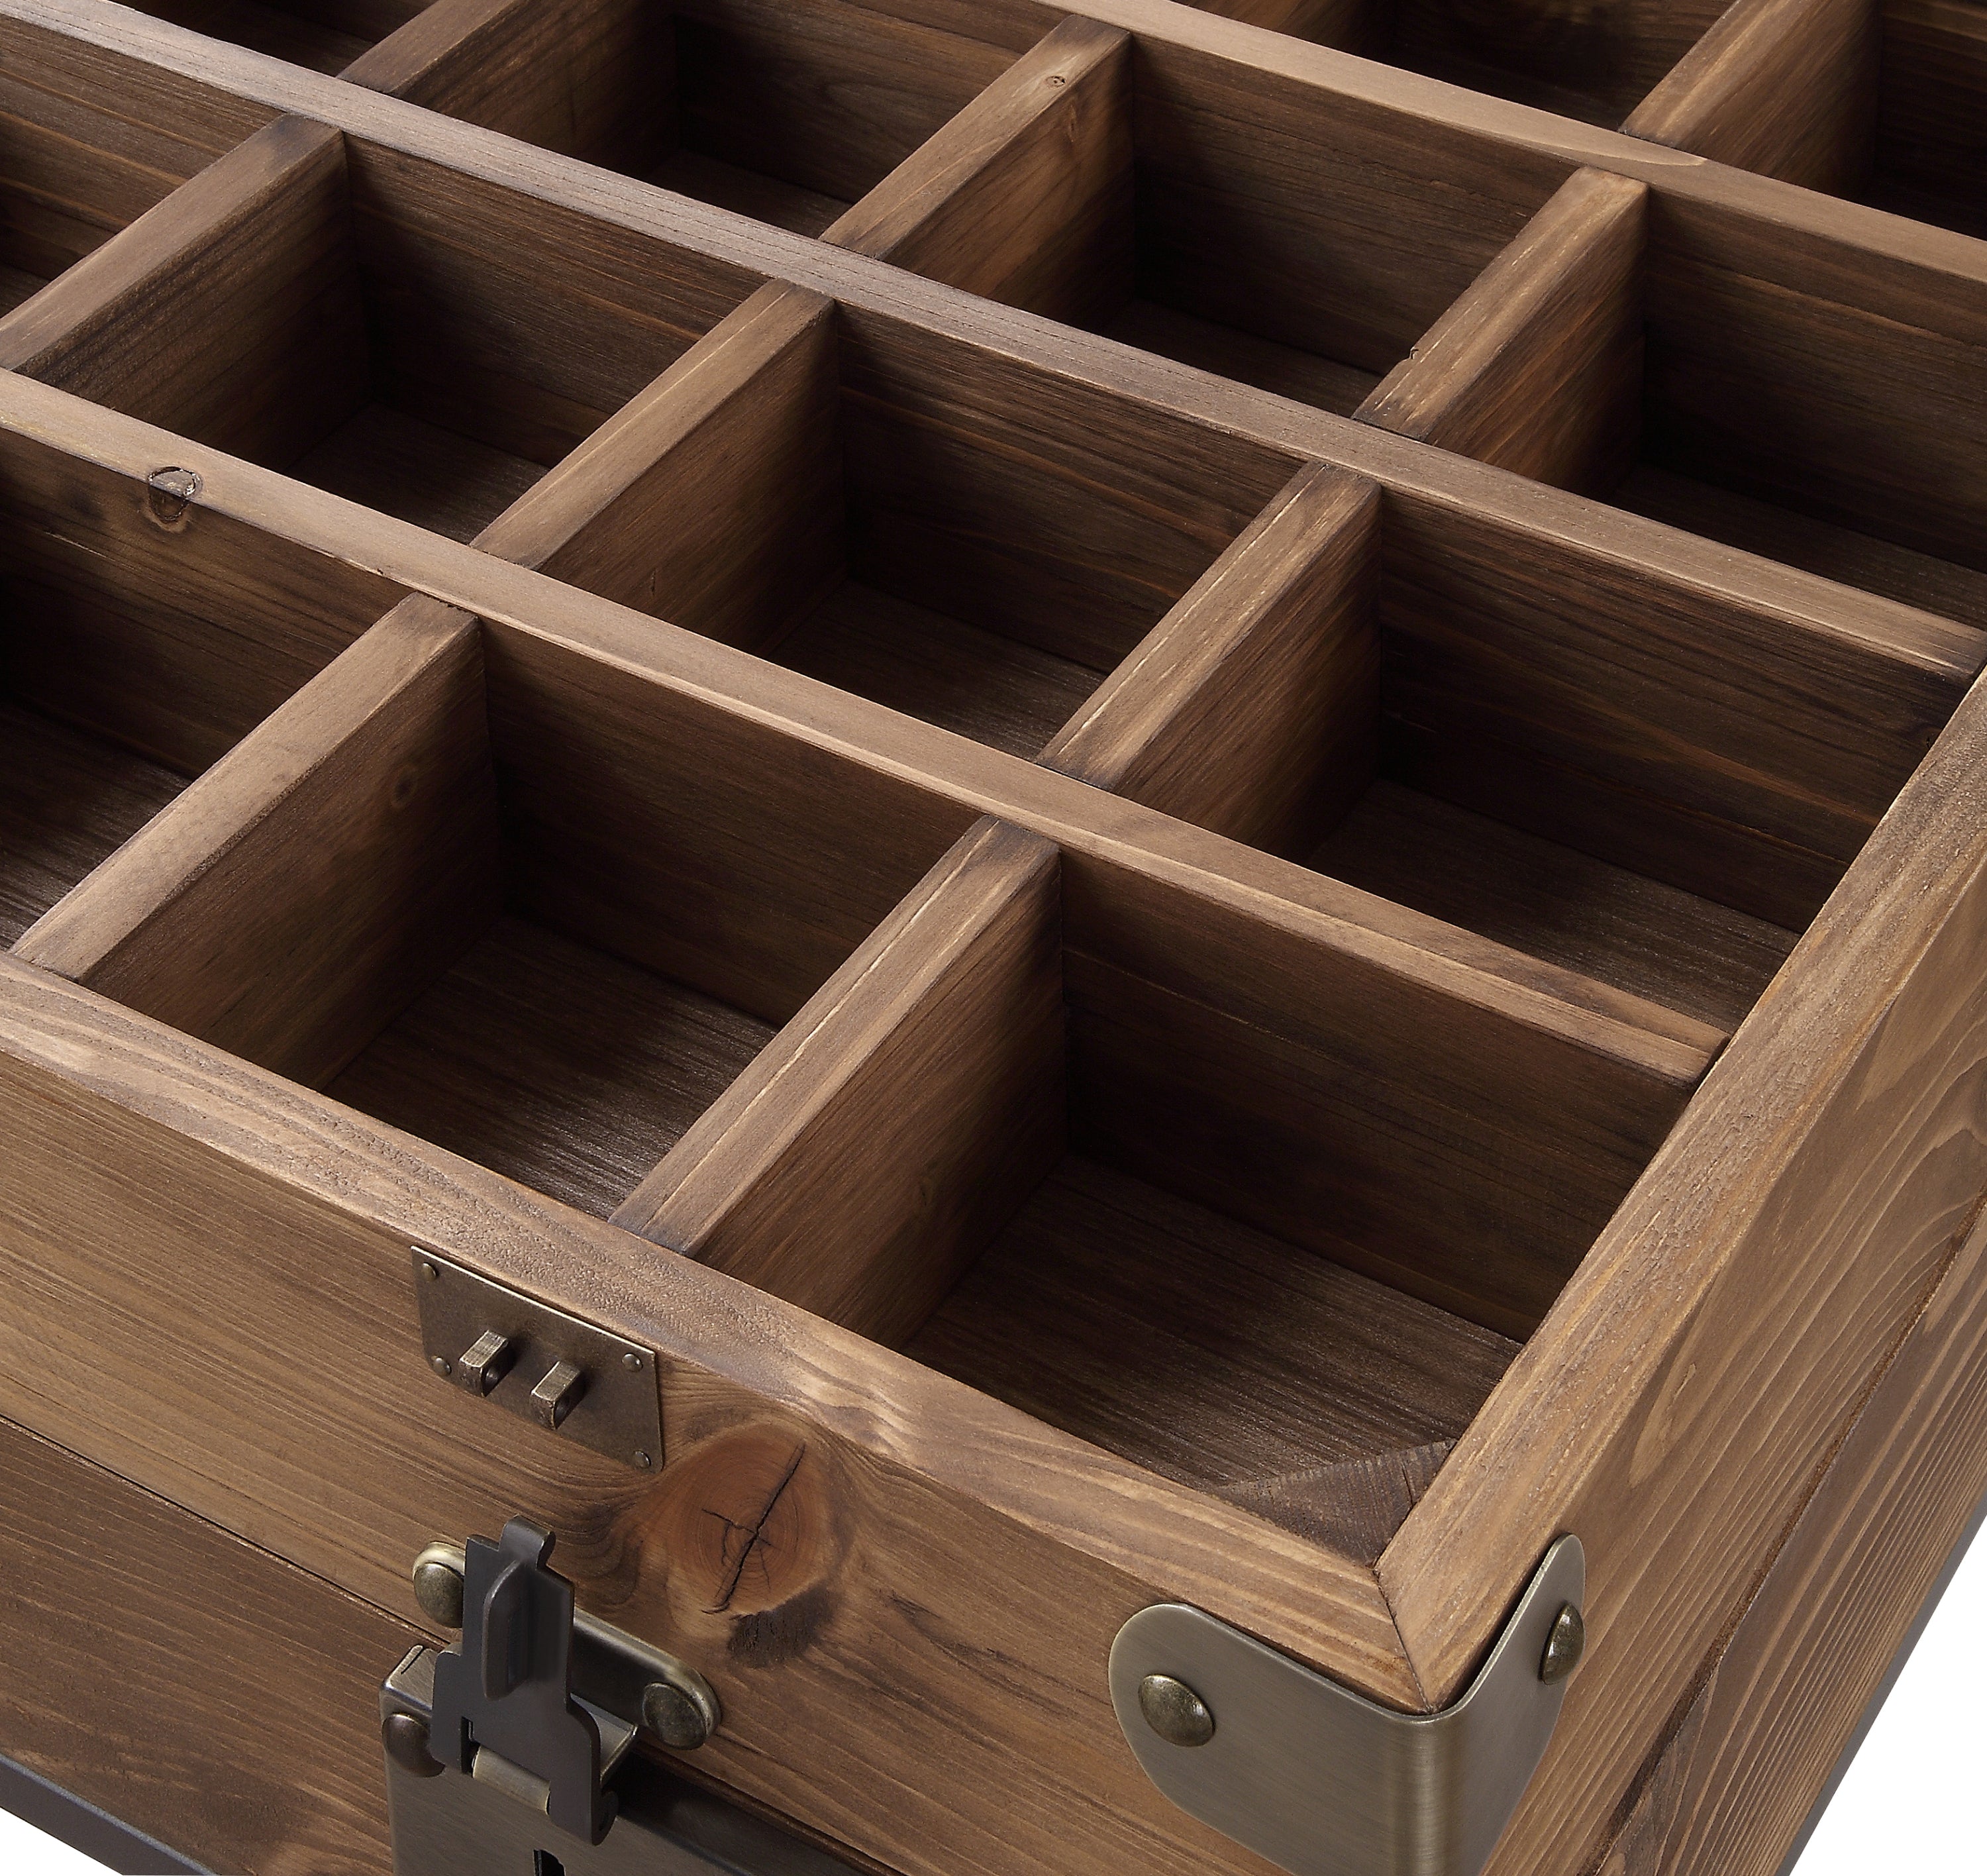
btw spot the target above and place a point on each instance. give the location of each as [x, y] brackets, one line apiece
[572, 1377]
[529, 1717]
[1323, 1782]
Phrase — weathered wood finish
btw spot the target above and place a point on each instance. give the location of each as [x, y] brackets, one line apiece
[213, 1728]
[1145, 991]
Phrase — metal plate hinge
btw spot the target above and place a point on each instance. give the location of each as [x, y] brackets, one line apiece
[1323, 1782]
[516, 1735]
[577, 1380]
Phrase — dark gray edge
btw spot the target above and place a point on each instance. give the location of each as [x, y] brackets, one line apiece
[1926, 1611]
[82, 1827]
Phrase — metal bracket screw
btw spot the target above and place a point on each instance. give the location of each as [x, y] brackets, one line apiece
[1564, 1645]
[405, 1739]
[1174, 1711]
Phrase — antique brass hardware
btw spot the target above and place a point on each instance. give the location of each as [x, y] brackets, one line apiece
[568, 1375]
[1324, 1783]
[524, 1727]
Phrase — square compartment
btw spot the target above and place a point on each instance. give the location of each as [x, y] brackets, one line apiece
[324, 35]
[972, 543]
[131, 660]
[72, 177]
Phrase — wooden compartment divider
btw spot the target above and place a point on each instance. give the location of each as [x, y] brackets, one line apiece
[1025, 197]
[208, 314]
[1538, 367]
[365, 797]
[73, 174]
[941, 1036]
[1109, 965]
[1253, 706]
[1786, 87]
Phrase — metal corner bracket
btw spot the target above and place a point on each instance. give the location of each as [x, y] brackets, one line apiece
[1323, 1782]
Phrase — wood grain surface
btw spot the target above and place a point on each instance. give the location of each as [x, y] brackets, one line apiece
[1026, 195]
[885, 1135]
[887, 1534]
[1611, 764]
[1538, 367]
[240, 1724]
[309, 884]
[1253, 707]
[1862, 1069]
[1786, 87]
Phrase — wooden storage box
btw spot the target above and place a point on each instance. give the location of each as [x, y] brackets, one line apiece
[1206, 818]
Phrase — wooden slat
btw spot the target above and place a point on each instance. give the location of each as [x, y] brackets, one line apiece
[1431, 1184]
[1929, 134]
[1538, 367]
[68, 801]
[1253, 707]
[319, 40]
[552, 1062]
[1591, 65]
[1677, 1406]
[699, 695]
[230, 311]
[1686, 953]
[224, 622]
[670, 504]
[1786, 87]
[1730, 750]
[871, 1152]
[1753, 1753]
[1841, 383]
[1334, 230]
[309, 884]
[1026, 195]
[184, 1682]
[830, 95]
[590, 79]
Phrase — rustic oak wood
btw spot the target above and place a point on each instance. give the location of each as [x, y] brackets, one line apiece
[1753, 1753]
[730, 883]
[211, 1734]
[1786, 87]
[942, 1036]
[1209, 1352]
[302, 891]
[1538, 367]
[249, 249]
[1026, 195]
[874, 1547]
[1885, 992]
[67, 801]
[1252, 707]
[1688, 953]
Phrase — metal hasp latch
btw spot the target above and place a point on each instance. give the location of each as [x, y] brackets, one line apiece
[1324, 1783]
[513, 1738]
[573, 1378]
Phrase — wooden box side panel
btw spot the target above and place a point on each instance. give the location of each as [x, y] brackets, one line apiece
[192, 1686]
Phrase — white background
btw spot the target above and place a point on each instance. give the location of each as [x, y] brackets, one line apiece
[1909, 1801]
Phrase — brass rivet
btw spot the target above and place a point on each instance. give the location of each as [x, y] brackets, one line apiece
[438, 1587]
[406, 1738]
[673, 1717]
[643, 1460]
[631, 1361]
[441, 1365]
[1564, 1646]
[1174, 1711]
[430, 1272]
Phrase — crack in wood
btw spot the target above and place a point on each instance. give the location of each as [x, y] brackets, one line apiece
[755, 1534]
